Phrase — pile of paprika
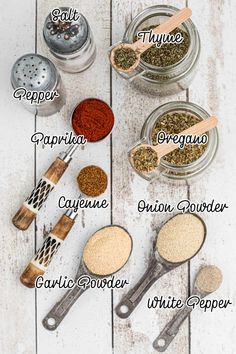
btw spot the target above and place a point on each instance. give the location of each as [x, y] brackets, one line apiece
[92, 118]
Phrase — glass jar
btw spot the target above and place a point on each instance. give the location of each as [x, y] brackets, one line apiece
[163, 80]
[72, 48]
[166, 169]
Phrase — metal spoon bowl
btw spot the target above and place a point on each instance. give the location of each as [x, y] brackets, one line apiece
[52, 320]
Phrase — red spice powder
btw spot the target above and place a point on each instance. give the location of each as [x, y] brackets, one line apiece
[93, 118]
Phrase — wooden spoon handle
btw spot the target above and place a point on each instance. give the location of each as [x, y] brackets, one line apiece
[197, 129]
[166, 27]
[44, 255]
[28, 211]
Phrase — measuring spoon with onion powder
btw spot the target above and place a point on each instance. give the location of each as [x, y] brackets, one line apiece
[104, 254]
[178, 240]
[154, 153]
[207, 281]
[131, 52]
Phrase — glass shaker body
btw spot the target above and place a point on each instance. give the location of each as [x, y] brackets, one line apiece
[35, 74]
[71, 44]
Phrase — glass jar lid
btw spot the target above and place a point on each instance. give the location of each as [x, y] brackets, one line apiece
[65, 37]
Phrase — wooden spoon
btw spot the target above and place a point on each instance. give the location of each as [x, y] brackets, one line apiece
[159, 151]
[139, 47]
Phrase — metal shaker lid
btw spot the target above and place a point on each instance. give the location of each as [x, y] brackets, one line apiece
[65, 37]
[34, 72]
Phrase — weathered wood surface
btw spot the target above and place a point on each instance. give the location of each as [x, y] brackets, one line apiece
[17, 304]
[214, 89]
[91, 326]
[90, 319]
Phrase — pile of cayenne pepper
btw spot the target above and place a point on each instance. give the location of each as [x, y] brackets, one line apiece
[92, 118]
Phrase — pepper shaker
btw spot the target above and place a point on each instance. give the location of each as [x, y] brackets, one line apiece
[37, 84]
[70, 42]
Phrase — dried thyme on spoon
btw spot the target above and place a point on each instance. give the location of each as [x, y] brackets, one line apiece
[124, 58]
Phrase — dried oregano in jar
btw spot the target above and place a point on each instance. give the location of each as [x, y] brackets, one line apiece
[174, 117]
[175, 123]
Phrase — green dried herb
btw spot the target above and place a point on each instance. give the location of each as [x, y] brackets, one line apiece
[124, 58]
[168, 54]
[145, 159]
[175, 123]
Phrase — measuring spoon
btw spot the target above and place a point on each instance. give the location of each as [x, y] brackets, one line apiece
[139, 47]
[161, 150]
[162, 261]
[43, 257]
[33, 204]
[86, 267]
[207, 281]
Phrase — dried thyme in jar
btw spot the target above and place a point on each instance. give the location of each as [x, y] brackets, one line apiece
[145, 159]
[175, 123]
[124, 58]
[168, 54]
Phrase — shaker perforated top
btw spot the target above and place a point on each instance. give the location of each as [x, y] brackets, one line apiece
[65, 37]
[34, 73]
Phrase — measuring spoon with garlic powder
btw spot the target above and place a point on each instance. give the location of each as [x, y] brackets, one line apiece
[155, 153]
[104, 254]
[134, 50]
[178, 240]
[207, 281]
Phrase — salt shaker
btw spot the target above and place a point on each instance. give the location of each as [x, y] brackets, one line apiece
[37, 84]
[70, 41]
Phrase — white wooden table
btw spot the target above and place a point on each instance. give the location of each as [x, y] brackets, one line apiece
[91, 327]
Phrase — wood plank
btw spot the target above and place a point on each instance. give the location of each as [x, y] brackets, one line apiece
[215, 330]
[136, 334]
[87, 327]
[17, 304]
